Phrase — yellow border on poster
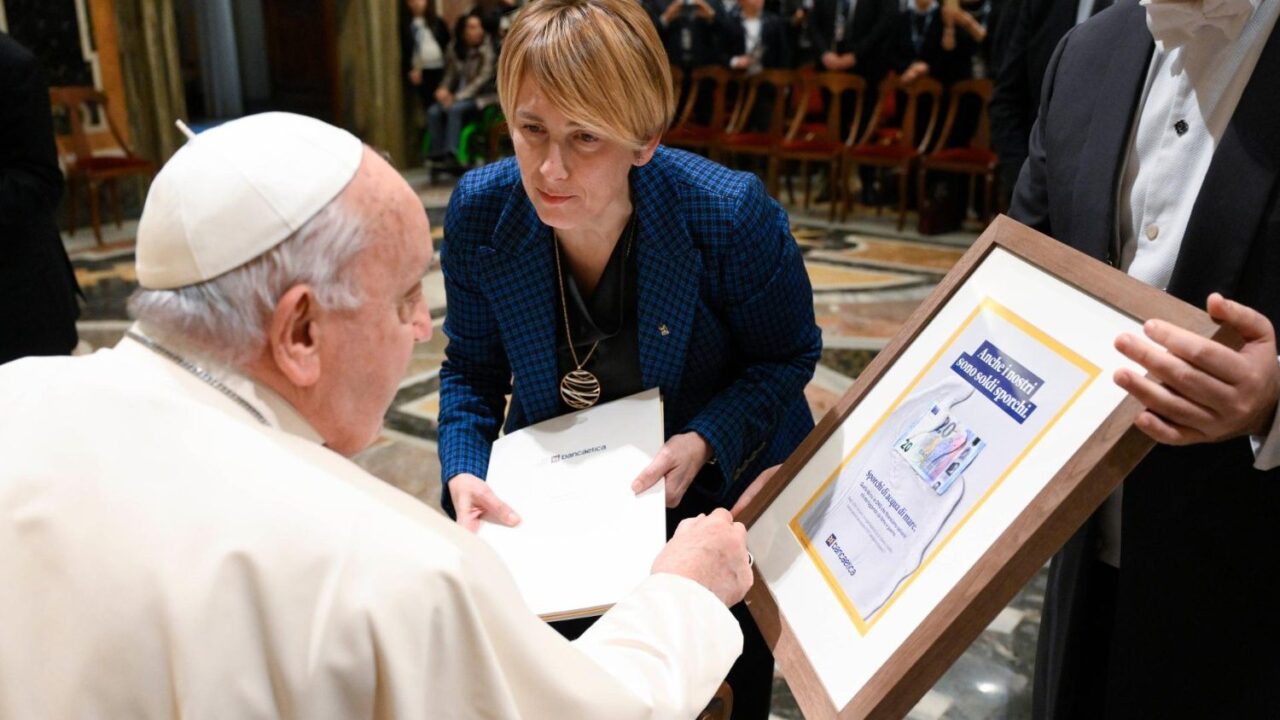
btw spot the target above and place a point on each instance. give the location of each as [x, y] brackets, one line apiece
[988, 305]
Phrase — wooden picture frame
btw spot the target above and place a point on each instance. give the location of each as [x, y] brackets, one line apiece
[917, 653]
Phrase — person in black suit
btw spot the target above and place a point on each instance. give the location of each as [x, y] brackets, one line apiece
[1027, 35]
[917, 48]
[38, 288]
[1159, 606]
[758, 41]
[694, 32]
[850, 35]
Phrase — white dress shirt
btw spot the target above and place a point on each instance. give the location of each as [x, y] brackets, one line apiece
[1191, 92]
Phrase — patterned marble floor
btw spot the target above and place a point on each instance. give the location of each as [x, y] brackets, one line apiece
[867, 279]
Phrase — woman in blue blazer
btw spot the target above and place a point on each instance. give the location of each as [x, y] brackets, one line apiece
[596, 264]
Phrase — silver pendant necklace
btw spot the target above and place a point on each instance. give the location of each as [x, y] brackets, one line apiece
[203, 375]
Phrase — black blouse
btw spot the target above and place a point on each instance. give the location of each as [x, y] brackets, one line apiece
[608, 316]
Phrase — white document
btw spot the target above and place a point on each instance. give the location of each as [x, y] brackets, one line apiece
[585, 539]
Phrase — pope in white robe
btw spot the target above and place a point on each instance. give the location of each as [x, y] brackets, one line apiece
[178, 538]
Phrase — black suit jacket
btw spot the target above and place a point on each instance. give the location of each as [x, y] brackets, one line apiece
[773, 37]
[946, 66]
[865, 36]
[707, 37]
[1196, 609]
[1027, 38]
[37, 286]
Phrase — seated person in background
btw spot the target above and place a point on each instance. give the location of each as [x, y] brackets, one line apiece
[182, 534]
[916, 47]
[468, 85]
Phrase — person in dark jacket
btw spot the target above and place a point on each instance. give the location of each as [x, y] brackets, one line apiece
[850, 36]
[923, 44]
[38, 289]
[1155, 150]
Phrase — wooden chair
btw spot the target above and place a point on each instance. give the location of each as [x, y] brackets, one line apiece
[895, 147]
[687, 133]
[740, 139]
[90, 171]
[721, 705]
[823, 142]
[974, 159]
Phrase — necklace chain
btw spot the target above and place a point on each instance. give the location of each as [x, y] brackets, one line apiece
[580, 389]
[202, 374]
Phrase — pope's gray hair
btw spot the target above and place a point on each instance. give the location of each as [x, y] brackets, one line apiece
[227, 316]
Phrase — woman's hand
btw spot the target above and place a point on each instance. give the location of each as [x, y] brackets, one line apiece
[475, 502]
[444, 97]
[679, 461]
[917, 69]
[415, 77]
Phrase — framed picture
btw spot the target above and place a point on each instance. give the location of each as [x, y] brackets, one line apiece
[964, 456]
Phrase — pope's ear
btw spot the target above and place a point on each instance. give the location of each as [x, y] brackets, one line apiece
[292, 340]
[645, 154]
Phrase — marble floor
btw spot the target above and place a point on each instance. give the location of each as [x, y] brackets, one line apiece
[867, 279]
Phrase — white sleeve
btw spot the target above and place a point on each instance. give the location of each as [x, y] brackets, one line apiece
[670, 642]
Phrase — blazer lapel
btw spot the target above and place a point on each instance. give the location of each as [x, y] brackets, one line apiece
[669, 269]
[519, 270]
[1235, 196]
[1106, 147]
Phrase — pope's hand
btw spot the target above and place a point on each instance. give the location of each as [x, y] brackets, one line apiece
[679, 461]
[475, 502]
[1200, 390]
[711, 550]
[753, 489]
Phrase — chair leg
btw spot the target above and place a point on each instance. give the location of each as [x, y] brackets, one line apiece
[846, 206]
[113, 186]
[791, 187]
[771, 175]
[94, 216]
[879, 177]
[808, 181]
[920, 190]
[902, 198]
[973, 196]
[836, 189]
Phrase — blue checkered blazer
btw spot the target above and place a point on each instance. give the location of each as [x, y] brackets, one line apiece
[718, 269]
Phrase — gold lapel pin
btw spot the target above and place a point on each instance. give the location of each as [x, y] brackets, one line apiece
[663, 330]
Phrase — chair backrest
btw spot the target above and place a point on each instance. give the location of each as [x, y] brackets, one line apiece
[74, 101]
[834, 85]
[913, 92]
[781, 82]
[718, 78]
[980, 89]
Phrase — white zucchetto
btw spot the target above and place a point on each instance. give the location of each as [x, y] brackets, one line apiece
[237, 190]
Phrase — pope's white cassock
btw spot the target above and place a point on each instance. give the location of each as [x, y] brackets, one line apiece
[162, 554]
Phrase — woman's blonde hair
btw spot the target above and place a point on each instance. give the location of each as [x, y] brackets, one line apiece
[600, 62]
